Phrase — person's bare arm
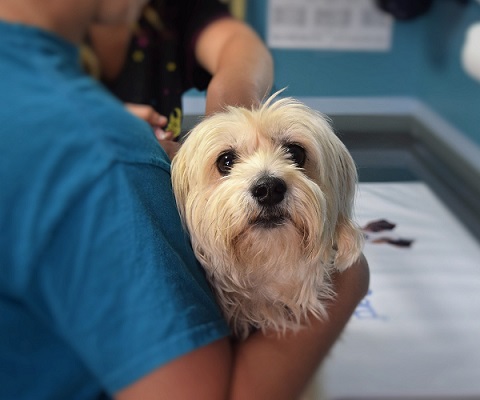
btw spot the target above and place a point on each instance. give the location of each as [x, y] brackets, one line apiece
[263, 366]
[281, 367]
[203, 374]
[240, 64]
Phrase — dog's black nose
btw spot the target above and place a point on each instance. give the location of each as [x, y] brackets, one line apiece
[269, 190]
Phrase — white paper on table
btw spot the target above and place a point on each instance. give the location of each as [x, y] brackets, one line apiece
[417, 333]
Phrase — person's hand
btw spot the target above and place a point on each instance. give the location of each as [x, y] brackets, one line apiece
[153, 118]
[158, 123]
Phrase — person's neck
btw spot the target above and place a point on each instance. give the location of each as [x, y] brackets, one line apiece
[57, 16]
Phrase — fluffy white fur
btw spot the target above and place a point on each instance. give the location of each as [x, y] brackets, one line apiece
[268, 275]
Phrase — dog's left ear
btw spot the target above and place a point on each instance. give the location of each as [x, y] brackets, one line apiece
[349, 243]
[348, 237]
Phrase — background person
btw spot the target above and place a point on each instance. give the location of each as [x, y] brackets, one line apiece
[177, 45]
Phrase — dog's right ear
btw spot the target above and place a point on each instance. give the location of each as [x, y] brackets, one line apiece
[180, 181]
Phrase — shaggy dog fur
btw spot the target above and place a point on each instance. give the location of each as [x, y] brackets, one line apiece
[266, 196]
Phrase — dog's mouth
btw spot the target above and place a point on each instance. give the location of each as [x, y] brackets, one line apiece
[269, 220]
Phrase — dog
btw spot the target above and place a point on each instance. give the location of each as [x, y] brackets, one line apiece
[266, 195]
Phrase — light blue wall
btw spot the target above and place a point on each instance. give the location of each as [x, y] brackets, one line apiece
[424, 62]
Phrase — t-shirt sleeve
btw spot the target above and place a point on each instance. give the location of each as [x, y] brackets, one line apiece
[122, 286]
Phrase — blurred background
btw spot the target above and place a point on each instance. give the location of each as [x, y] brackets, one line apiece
[400, 81]
[422, 58]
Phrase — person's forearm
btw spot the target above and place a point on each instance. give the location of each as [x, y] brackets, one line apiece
[244, 77]
[280, 367]
[262, 367]
[240, 64]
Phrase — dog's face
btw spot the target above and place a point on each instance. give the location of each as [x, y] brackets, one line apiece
[267, 197]
[246, 178]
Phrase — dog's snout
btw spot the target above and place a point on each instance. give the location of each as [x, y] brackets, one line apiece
[269, 190]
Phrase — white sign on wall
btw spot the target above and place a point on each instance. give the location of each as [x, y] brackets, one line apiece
[328, 24]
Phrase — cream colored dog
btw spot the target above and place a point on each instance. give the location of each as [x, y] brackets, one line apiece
[266, 196]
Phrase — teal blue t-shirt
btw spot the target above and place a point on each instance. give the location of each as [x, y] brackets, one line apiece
[98, 283]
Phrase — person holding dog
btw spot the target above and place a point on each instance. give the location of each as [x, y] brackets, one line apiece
[100, 293]
[175, 46]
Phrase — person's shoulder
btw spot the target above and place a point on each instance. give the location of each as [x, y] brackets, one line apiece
[75, 129]
[107, 122]
[97, 120]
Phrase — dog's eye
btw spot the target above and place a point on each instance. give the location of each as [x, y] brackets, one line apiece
[296, 153]
[225, 162]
